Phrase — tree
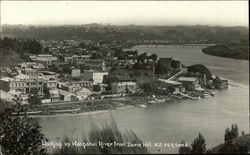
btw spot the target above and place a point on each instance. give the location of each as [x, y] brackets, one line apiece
[33, 97]
[18, 136]
[35, 47]
[198, 145]
[231, 134]
[66, 69]
[153, 57]
[160, 69]
[142, 57]
[175, 64]
[198, 68]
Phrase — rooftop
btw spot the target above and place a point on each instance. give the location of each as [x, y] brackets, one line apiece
[22, 76]
[7, 79]
[123, 83]
[190, 79]
[170, 82]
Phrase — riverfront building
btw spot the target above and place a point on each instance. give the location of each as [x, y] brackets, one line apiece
[123, 87]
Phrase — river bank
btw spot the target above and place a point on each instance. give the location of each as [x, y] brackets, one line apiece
[83, 113]
[128, 102]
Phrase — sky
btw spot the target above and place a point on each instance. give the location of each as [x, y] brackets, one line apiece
[214, 13]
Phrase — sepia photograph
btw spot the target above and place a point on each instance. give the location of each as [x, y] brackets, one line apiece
[124, 77]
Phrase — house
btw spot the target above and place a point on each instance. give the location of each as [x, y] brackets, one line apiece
[171, 86]
[69, 86]
[68, 59]
[51, 84]
[54, 95]
[95, 76]
[95, 64]
[83, 93]
[32, 73]
[98, 88]
[83, 83]
[45, 59]
[33, 65]
[80, 59]
[190, 83]
[67, 96]
[39, 66]
[123, 87]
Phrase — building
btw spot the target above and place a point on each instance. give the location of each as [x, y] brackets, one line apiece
[95, 76]
[80, 59]
[23, 83]
[33, 65]
[83, 83]
[190, 83]
[69, 87]
[75, 72]
[49, 74]
[51, 84]
[68, 59]
[67, 96]
[46, 60]
[54, 95]
[123, 87]
[32, 73]
[95, 64]
[83, 93]
[170, 86]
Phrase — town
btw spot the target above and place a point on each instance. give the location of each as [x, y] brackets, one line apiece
[76, 76]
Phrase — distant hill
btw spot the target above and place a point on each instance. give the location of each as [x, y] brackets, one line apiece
[199, 33]
[228, 51]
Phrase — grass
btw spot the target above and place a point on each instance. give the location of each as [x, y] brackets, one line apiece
[108, 133]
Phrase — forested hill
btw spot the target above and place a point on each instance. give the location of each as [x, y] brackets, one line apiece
[235, 51]
[192, 34]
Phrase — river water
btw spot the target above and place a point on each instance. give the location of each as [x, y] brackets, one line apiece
[176, 120]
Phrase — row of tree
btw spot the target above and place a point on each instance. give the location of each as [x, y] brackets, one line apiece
[20, 45]
[198, 146]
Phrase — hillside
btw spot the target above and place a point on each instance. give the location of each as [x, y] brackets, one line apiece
[238, 145]
[9, 57]
[228, 51]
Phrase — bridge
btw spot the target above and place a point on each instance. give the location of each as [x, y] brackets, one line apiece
[173, 45]
[162, 43]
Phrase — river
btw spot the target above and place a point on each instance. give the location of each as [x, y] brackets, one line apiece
[176, 120]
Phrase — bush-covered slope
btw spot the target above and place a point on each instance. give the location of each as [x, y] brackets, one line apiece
[228, 51]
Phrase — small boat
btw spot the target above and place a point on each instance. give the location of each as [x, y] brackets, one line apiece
[206, 95]
[142, 106]
[212, 93]
[156, 101]
[178, 97]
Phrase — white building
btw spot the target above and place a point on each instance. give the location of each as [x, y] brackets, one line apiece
[123, 87]
[75, 72]
[47, 60]
[95, 64]
[95, 76]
